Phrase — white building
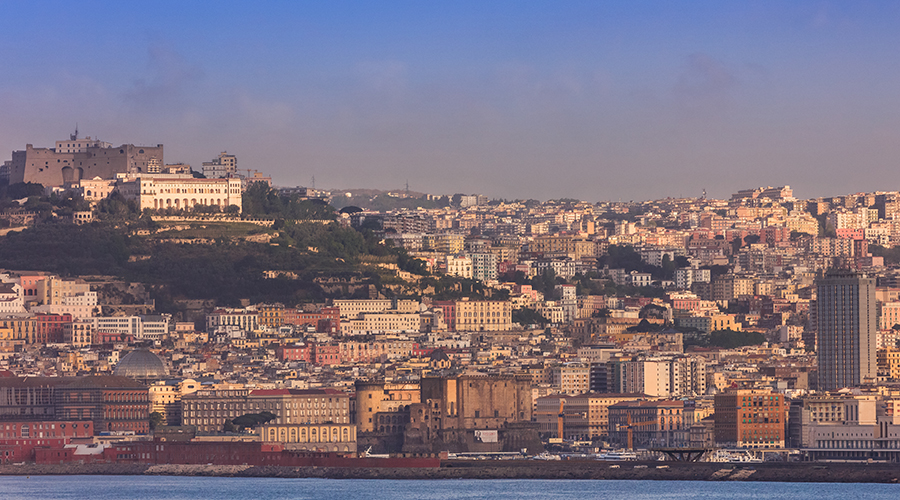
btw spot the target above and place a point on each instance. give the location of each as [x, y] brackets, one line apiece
[12, 298]
[179, 191]
[223, 166]
[141, 327]
[484, 266]
[460, 266]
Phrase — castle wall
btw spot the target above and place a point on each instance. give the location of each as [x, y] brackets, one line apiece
[46, 166]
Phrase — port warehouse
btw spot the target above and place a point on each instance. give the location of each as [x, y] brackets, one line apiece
[218, 453]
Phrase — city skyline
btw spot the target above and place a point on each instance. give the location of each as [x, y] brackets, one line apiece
[597, 102]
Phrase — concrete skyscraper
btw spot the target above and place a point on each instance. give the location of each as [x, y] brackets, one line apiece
[845, 308]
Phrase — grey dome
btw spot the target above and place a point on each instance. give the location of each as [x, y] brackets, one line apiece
[141, 364]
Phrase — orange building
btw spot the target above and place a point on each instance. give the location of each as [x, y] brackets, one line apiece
[750, 418]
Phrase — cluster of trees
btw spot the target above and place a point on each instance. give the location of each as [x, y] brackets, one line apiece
[67, 249]
[248, 421]
[726, 339]
[261, 200]
[626, 257]
[891, 255]
[383, 202]
[528, 316]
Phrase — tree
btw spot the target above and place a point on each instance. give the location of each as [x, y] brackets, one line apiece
[730, 339]
[253, 419]
[156, 420]
[653, 311]
[601, 313]
[528, 316]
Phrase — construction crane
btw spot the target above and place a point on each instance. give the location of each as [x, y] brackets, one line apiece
[631, 425]
[560, 417]
[548, 413]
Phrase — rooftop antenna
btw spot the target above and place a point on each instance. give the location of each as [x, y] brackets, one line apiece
[314, 182]
[704, 193]
[407, 188]
[74, 137]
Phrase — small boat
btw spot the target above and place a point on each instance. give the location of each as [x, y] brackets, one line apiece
[734, 457]
[617, 455]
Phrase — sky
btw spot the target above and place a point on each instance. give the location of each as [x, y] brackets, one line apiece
[596, 100]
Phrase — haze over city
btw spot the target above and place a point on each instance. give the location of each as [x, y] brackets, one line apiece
[588, 100]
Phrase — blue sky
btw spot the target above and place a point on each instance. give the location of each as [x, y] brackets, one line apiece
[591, 100]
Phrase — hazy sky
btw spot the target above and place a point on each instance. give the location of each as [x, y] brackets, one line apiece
[596, 100]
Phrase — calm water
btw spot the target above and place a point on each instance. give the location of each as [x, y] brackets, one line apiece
[183, 488]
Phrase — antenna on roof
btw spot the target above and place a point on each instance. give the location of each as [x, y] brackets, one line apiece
[74, 137]
[314, 182]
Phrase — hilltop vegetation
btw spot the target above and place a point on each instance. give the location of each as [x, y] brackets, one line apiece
[228, 267]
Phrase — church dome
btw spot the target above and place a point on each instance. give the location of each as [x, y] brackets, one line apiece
[141, 364]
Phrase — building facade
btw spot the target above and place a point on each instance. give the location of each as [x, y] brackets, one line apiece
[750, 418]
[847, 326]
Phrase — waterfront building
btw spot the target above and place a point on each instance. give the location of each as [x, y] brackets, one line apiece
[750, 418]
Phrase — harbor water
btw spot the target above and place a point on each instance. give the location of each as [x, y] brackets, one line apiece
[224, 488]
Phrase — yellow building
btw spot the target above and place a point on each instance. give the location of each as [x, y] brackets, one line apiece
[165, 398]
[553, 245]
[888, 360]
[312, 437]
[483, 315]
[271, 315]
[9, 341]
[23, 329]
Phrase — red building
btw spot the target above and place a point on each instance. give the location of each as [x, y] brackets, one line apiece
[19, 439]
[111, 403]
[327, 354]
[449, 308]
[49, 327]
[326, 320]
[294, 353]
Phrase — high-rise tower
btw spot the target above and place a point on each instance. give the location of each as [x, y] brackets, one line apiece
[845, 308]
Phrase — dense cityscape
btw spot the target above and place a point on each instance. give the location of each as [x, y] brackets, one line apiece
[144, 302]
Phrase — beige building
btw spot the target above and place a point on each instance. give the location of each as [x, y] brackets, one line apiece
[572, 378]
[483, 315]
[162, 191]
[888, 360]
[444, 243]
[54, 290]
[311, 437]
[459, 266]
[353, 308]
[96, 189]
[377, 400]
[166, 396]
[208, 410]
[79, 333]
[585, 416]
[223, 166]
[383, 322]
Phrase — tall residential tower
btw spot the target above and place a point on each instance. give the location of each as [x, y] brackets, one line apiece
[845, 308]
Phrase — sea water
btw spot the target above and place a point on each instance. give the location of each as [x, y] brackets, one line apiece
[223, 488]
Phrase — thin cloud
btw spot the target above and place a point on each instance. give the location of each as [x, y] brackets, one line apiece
[705, 76]
[170, 76]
